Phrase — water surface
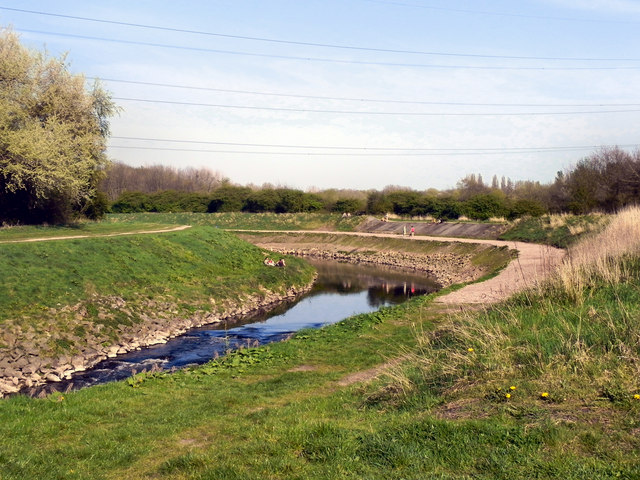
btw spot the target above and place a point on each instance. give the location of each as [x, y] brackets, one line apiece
[341, 290]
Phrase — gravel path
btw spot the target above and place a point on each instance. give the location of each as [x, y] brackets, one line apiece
[73, 237]
[533, 264]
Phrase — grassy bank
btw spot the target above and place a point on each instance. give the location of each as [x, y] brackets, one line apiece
[240, 220]
[10, 234]
[456, 257]
[58, 293]
[555, 230]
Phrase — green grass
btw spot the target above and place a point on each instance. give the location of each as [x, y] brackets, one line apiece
[58, 286]
[555, 230]
[240, 220]
[19, 233]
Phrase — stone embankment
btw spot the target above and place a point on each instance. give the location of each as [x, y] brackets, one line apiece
[436, 229]
[27, 359]
[445, 268]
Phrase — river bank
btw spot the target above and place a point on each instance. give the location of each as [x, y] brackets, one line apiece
[449, 262]
[68, 304]
[101, 326]
[23, 369]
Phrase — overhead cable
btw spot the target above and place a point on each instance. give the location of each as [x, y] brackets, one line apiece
[499, 14]
[311, 44]
[361, 100]
[349, 150]
[362, 112]
[327, 60]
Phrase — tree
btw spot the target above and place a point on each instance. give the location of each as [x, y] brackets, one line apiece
[486, 205]
[52, 136]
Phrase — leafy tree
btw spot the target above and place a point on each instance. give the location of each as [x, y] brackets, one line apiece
[349, 205]
[229, 198]
[378, 202]
[524, 207]
[486, 205]
[52, 136]
[448, 208]
[264, 200]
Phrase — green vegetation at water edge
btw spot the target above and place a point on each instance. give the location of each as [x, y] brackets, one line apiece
[290, 411]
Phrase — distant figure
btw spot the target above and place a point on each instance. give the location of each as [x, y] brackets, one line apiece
[404, 230]
[413, 230]
[269, 262]
[281, 263]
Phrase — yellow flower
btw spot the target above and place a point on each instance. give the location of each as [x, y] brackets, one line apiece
[469, 349]
[512, 387]
[636, 396]
[508, 395]
[544, 394]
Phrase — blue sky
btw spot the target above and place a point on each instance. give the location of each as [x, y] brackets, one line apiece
[355, 93]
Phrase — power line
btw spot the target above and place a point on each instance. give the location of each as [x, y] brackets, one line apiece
[498, 14]
[390, 151]
[371, 100]
[361, 112]
[316, 44]
[334, 154]
[326, 60]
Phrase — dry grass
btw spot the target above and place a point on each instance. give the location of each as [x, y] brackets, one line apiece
[601, 257]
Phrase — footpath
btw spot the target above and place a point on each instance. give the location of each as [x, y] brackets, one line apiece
[533, 264]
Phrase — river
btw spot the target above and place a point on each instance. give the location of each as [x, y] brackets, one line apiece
[341, 290]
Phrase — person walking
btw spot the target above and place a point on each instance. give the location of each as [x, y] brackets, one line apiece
[413, 230]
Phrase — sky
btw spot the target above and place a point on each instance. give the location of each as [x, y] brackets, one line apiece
[353, 94]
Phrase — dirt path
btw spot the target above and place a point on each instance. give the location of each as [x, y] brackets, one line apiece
[73, 237]
[533, 264]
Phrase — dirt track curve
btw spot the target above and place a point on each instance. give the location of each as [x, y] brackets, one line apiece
[73, 237]
[534, 263]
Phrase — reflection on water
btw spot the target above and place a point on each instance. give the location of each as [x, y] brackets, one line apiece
[340, 291]
[384, 285]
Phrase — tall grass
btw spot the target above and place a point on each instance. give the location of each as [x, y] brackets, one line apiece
[610, 257]
[575, 338]
[560, 230]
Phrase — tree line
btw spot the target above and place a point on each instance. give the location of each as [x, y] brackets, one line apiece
[606, 181]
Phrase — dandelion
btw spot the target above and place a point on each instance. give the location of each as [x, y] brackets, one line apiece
[508, 395]
[469, 349]
[636, 396]
[544, 394]
[512, 387]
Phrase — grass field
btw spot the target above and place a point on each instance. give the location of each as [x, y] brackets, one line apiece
[542, 386]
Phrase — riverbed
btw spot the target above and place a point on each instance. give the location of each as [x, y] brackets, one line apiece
[340, 291]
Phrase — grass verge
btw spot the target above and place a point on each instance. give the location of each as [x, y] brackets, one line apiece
[556, 230]
[241, 220]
